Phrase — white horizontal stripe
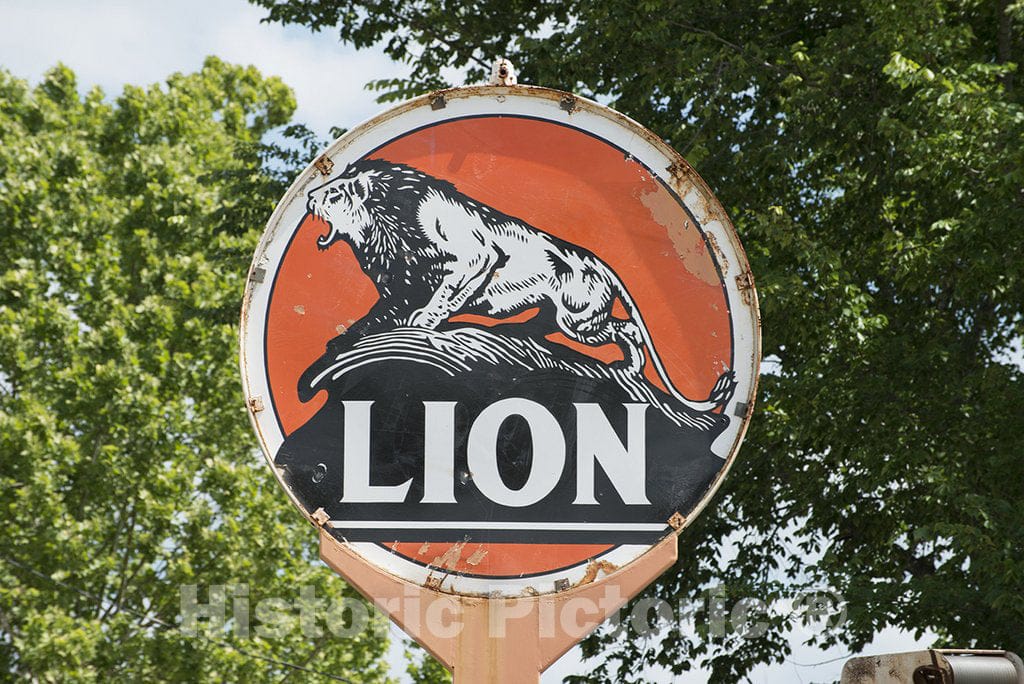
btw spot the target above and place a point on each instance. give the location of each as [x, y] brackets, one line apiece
[496, 525]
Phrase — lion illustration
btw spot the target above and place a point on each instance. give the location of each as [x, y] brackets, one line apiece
[433, 252]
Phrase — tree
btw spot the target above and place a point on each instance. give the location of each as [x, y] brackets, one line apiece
[870, 155]
[128, 470]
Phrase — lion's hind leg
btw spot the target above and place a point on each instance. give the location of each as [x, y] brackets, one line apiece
[601, 328]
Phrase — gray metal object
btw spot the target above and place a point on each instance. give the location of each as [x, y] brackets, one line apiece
[973, 669]
[936, 666]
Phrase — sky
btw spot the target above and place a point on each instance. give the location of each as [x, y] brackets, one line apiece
[111, 43]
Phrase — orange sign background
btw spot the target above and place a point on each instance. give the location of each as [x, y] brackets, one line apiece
[566, 183]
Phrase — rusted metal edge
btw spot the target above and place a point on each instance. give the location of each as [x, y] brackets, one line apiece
[595, 567]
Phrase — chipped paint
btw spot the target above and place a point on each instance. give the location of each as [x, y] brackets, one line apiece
[723, 263]
[664, 210]
[595, 567]
[299, 309]
[745, 284]
[477, 556]
[450, 558]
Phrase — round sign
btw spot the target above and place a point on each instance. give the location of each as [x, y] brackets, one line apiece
[503, 337]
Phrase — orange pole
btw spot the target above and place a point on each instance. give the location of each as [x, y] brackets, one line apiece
[508, 640]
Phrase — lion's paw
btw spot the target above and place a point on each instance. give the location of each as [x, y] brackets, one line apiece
[424, 319]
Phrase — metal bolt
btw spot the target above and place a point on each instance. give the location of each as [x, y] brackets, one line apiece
[676, 521]
[929, 674]
[320, 517]
[324, 165]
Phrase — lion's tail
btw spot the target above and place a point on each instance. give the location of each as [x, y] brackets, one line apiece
[724, 387]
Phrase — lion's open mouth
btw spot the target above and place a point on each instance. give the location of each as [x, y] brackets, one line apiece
[322, 241]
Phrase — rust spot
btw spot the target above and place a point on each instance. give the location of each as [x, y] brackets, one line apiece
[320, 517]
[681, 173]
[745, 284]
[723, 263]
[562, 584]
[324, 165]
[255, 404]
[438, 101]
[568, 103]
[593, 568]
[676, 521]
[477, 556]
[434, 582]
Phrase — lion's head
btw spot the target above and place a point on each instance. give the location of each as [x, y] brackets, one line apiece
[373, 205]
[342, 204]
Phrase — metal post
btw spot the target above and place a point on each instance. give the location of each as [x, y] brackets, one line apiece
[482, 639]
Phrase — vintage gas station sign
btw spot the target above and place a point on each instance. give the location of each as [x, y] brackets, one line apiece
[498, 336]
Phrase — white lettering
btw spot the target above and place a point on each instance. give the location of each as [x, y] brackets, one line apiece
[625, 465]
[547, 445]
[438, 452]
[355, 485]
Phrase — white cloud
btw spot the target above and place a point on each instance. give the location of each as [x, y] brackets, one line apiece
[112, 42]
